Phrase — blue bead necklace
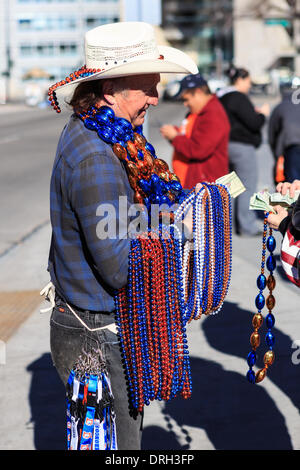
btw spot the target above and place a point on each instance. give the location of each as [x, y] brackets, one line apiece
[149, 176]
[207, 260]
[260, 301]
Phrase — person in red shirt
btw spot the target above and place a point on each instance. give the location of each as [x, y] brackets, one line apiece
[205, 150]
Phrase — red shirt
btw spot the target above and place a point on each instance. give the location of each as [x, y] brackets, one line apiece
[206, 150]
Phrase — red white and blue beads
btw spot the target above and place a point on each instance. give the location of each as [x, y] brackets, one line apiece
[207, 259]
[149, 316]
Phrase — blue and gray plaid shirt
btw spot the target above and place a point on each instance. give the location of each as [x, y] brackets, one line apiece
[84, 268]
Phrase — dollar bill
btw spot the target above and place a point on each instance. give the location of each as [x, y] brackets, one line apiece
[264, 201]
[286, 199]
[233, 183]
[261, 202]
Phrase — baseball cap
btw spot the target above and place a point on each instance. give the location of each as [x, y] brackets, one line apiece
[191, 81]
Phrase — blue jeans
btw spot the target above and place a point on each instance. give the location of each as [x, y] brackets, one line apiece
[68, 337]
[292, 163]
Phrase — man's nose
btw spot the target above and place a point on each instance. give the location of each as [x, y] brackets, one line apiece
[153, 100]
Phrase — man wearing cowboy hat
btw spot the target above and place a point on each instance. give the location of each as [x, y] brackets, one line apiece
[123, 63]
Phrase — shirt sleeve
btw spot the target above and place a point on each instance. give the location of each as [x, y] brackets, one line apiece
[99, 198]
[203, 141]
[245, 112]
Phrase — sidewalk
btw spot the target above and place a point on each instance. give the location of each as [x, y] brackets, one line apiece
[225, 411]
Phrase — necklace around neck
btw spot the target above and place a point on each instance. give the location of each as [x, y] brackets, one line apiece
[149, 176]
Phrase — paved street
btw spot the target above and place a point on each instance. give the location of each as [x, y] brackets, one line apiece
[225, 411]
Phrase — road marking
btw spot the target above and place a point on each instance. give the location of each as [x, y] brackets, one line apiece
[9, 139]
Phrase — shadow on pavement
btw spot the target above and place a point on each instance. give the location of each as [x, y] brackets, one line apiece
[47, 402]
[158, 438]
[234, 413]
[230, 332]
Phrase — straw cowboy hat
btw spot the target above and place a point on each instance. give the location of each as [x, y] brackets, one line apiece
[126, 48]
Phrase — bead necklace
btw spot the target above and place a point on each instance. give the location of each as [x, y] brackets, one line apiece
[149, 176]
[81, 73]
[149, 320]
[207, 260]
[260, 302]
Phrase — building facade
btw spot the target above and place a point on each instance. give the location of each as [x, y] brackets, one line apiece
[202, 28]
[266, 38]
[44, 38]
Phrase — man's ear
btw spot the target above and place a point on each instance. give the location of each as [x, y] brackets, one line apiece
[108, 93]
[109, 99]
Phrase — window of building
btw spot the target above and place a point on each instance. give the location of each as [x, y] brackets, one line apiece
[92, 22]
[42, 23]
[46, 1]
[47, 50]
[98, 1]
[26, 50]
[68, 49]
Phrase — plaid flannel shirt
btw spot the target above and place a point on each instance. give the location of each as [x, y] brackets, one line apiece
[85, 269]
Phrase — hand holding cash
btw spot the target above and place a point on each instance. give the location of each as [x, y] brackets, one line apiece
[233, 184]
[264, 201]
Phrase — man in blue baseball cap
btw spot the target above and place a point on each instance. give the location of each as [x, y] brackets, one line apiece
[201, 143]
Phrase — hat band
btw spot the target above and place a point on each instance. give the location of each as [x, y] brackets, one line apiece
[100, 56]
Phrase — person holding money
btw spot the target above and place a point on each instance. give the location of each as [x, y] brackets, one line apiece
[287, 222]
[288, 194]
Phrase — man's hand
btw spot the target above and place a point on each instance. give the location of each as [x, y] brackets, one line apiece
[274, 220]
[283, 188]
[169, 132]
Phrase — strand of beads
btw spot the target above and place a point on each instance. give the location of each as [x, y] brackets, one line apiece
[149, 320]
[81, 73]
[260, 302]
[149, 176]
[207, 260]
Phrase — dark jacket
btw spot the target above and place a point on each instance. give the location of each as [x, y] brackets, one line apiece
[292, 221]
[206, 150]
[245, 122]
[284, 126]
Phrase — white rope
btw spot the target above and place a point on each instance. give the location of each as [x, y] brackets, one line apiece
[49, 293]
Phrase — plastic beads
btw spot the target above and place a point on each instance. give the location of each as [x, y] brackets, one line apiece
[260, 302]
[149, 176]
[207, 259]
[149, 319]
[81, 73]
